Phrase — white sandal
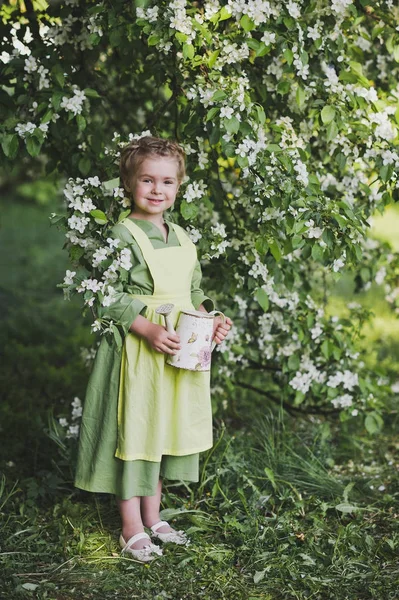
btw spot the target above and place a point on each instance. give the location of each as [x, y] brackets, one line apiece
[142, 554]
[175, 537]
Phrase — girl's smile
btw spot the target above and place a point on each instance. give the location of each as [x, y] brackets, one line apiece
[154, 188]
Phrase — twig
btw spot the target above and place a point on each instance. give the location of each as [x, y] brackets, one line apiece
[288, 407]
[160, 111]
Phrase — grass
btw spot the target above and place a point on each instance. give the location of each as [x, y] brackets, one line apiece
[269, 519]
[285, 508]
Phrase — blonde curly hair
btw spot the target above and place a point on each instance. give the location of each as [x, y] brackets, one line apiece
[136, 151]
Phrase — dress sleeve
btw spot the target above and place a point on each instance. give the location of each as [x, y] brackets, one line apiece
[197, 295]
[125, 309]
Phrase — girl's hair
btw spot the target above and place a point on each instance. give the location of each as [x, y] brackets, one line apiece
[136, 151]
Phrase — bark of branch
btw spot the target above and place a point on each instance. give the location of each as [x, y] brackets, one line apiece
[31, 16]
[312, 410]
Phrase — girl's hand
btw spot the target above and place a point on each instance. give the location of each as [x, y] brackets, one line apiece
[161, 340]
[220, 329]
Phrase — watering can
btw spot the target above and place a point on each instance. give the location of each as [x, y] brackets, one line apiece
[195, 329]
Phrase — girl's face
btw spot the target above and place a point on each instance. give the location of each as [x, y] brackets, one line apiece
[154, 187]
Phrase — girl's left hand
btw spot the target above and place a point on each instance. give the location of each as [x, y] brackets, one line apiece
[220, 329]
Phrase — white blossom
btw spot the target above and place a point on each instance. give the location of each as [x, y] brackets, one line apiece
[342, 401]
[77, 408]
[73, 431]
[99, 256]
[90, 284]
[339, 263]
[109, 297]
[380, 275]
[268, 38]
[68, 279]
[348, 380]
[94, 181]
[24, 129]
[113, 242]
[313, 232]
[125, 259]
[96, 326]
[75, 103]
[194, 234]
[78, 223]
[194, 191]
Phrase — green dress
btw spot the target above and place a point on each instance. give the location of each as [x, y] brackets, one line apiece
[98, 469]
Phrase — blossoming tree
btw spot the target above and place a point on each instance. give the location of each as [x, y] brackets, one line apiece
[288, 112]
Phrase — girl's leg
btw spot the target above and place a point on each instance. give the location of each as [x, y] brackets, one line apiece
[150, 509]
[131, 520]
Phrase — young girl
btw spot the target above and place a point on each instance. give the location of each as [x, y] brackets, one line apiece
[144, 420]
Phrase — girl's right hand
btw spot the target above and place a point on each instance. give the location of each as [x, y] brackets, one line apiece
[161, 340]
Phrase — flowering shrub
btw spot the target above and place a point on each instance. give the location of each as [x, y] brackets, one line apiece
[289, 116]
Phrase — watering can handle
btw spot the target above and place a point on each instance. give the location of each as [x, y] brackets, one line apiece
[216, 313]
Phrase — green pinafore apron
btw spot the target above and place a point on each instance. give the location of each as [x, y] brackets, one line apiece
[162, 410]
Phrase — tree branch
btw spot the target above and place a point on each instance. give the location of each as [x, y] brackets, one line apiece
[312, 410]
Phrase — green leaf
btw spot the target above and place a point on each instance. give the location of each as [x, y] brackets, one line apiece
[212, 113]
[317, 252]
[288, 55]
[111, 183]
[188, 210]
[10, 144]
[213, 58]
[373, 423]
[31, 587]
[84, 165]
[386, 172]
[219, 95]
[253, 43]
[270, 475]
[327, 114]
[300, 96]
[246, 23]
[261, 245]
[261, 114]
[259, 575]
[58, 73]
[283, 87]
[332, 131]
[75, 253]
[123, 215]
[341, 220]
[262, 50]
[262, 299]
[356, 67]
[293, 362]
[214, 136]
[90, 93]
[115, 37]
[344, 507]
[188, 51]
[154, 39]
[325, 348]
[181, 37]
[275, 250]
[81, 122]
[47, 116]
[231, 125]
[99, 216]
[33, 145]
[224, 13]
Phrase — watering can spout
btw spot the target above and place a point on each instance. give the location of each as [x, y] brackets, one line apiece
[165, 310]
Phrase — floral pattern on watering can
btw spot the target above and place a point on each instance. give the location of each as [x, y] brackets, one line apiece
[195, 329]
